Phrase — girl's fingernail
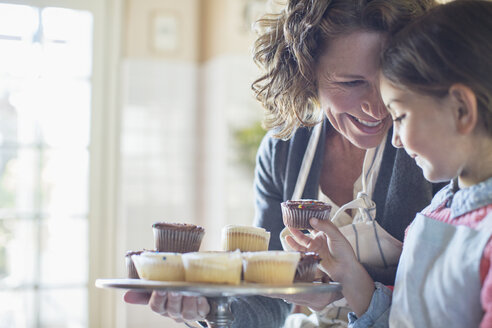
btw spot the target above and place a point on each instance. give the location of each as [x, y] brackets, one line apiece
[161, 293]
[314, 221]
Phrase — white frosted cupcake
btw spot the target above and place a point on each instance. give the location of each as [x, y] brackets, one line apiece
[244, 238]
[213, 267]
[159, 266]
[270, 267]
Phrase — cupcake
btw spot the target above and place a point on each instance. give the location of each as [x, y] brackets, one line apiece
[307, 267]
[213, 267]
[244, 238]
[296, 213]
[159, 266]
[177, 237]
[270, 267]
[130, 266]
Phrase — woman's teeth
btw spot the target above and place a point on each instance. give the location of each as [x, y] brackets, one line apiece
[367, 123]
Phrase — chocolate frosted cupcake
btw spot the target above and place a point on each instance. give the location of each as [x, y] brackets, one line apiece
[307, 266]
[296, 213]
[177, 237]
[130, 266]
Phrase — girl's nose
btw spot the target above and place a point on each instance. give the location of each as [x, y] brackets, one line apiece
[395, 139]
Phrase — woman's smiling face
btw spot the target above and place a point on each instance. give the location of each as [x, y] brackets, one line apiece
[348, 88]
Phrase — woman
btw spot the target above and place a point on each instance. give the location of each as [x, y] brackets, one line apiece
[322, 57]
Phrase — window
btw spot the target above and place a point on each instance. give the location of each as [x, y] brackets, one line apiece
[45, 111]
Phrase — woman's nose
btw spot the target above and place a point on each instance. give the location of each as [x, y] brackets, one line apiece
[374, 106]
[395, 139]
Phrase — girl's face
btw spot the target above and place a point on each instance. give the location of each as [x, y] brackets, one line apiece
[348, 88]
[426, 127]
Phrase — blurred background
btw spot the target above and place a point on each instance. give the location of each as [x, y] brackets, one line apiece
[115, 114]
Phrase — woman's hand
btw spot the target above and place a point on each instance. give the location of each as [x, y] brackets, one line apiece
[173, 305]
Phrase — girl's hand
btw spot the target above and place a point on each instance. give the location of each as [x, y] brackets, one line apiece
[339, 262]
[316, 301]
[334, 249]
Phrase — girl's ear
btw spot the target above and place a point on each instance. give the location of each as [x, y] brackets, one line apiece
[466, 111]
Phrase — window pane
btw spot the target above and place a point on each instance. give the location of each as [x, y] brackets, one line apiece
[17, 309]
[63, 308]
[67, 48]
[64, 183]
[53, 111]
[19, 180]
[64, 258]
[18, 248]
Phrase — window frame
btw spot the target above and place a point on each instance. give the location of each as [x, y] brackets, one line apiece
[103, 148]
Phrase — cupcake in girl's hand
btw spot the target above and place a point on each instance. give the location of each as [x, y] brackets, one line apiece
[296, 213]
[177, 237]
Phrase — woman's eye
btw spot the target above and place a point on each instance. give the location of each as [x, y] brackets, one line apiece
[352, 83]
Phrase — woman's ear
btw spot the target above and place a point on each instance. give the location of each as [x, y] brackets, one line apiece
[466, 111]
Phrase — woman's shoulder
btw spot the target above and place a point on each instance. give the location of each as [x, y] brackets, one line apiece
[275, 147]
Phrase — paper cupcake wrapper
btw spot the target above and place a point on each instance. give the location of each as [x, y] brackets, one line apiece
[200, 271]
[306, 273]
[245, 242]
[299, 218]
[130, 268]
[153, 269]
[177, 241]
[269, 272]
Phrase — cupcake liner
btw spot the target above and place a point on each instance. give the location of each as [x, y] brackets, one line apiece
[216, 268]
[159, 266]
[130, 268]
[245, 242]
[273, 268]
[299, 217]
[306, 273]
[177, 241]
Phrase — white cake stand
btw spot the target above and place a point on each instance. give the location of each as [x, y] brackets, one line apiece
[220, 296]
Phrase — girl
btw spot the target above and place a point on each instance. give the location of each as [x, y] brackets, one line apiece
[437, 85]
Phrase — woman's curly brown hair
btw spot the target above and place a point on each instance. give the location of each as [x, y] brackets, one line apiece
[290, 43]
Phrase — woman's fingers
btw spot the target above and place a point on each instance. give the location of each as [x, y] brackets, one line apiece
[173, 307]
[158, 302]
[203, 307]
[137, 297]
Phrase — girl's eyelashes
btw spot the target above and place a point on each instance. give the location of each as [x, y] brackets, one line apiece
[398, 119]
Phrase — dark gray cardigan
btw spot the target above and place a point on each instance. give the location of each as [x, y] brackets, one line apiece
[400, 192]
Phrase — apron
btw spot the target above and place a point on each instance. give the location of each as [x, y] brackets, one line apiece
[438, 279]
[371, 243]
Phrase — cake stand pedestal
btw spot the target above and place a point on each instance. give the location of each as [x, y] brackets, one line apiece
[220, 296]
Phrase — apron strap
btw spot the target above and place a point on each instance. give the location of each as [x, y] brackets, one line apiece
[307, 161]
